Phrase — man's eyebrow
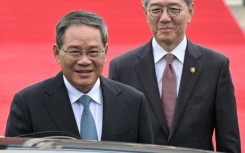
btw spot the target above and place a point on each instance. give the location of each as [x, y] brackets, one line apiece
[78, 47]
[73, 47]
[174, 4]
[158, 4]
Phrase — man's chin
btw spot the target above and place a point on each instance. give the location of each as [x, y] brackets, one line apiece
[84, 86]
[164, 39]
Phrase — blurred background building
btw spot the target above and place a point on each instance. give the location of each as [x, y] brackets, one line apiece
[238, 10]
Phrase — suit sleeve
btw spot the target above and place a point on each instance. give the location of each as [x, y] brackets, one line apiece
[145, 129]
[226, 122]
[18, 120]
[113, 74]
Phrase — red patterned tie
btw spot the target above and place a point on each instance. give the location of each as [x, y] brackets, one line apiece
[169, 92]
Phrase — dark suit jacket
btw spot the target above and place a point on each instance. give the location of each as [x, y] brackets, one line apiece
[205, 100]
[46, 107]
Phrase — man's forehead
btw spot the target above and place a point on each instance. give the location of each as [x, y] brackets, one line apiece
[165, 2]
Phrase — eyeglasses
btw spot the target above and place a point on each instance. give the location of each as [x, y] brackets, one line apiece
[76, 54]
[156, 11]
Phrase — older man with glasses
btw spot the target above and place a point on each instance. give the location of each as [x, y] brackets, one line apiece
[79, 100]
[188, 88]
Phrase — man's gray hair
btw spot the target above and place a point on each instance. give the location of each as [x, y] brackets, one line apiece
[145, 2]
[80, 18]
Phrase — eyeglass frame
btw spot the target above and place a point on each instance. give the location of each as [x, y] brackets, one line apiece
[82, 54]
[168, 8]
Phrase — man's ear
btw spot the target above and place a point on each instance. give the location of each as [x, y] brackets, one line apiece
[106, 52]
[191, 12]
[145, 10]
[106, 48]
[56, 53]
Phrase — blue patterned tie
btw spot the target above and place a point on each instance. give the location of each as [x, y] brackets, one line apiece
[87, 125]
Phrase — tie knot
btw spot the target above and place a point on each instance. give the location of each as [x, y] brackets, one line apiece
[169, 58]
[85, 100]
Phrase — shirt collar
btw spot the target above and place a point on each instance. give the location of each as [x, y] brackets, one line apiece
[95, 93]
[179, 51]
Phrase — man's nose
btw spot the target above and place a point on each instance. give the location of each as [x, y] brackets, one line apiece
[84, 59]
[165, 17]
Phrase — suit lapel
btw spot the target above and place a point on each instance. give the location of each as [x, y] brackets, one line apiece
[59, 106]
[112, 110]
[145, 68]
[188, 81]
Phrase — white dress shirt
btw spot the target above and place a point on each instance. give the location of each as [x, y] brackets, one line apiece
[96, 105]
[160, 61]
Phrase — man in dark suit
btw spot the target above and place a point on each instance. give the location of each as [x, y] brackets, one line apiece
[204, 98]
[116, 111]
